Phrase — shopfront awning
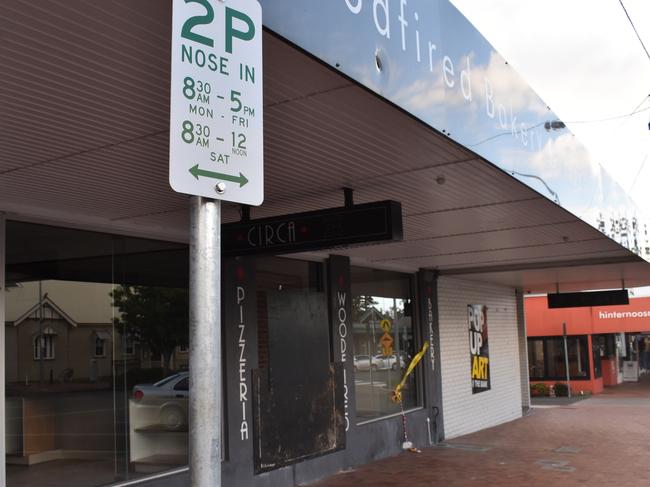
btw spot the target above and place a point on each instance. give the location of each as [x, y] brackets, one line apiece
[85, 100]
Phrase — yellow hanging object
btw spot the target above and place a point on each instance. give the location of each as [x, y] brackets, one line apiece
[396, 395]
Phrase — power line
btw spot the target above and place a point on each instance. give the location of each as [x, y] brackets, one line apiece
[612, 118]
[643, 100]
[502, 134]
[633, 27]
[647, 97]
[638, 172]
[575, 121]
[556, 197]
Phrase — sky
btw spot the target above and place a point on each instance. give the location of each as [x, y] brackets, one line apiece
[585, 61]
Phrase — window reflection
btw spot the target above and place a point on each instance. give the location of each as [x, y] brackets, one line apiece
[383, 341]
[546, 358]
[96, 379]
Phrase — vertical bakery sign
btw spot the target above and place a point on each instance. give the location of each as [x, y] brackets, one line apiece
[479, 347]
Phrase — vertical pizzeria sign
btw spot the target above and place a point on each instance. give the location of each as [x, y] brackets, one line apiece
[478, 347]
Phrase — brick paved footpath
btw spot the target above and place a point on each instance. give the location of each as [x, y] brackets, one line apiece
[603, 441]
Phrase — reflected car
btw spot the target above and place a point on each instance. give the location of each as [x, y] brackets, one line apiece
[165, 402]
[365, 362]
[389, 362]
[377, 362]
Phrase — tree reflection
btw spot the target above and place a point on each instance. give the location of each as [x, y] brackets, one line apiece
[157, 317]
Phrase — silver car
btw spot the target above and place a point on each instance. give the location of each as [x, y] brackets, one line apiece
[388, 362]
[377, 362]
[164, 403]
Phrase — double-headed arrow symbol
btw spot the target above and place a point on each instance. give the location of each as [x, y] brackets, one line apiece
[196, 172]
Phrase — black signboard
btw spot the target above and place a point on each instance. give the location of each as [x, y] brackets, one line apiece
[314, 230]
[587, 299]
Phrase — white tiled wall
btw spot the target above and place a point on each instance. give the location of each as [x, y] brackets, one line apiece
[463, 411]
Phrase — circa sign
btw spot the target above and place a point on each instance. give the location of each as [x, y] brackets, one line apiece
[314, 230]
[216, 133]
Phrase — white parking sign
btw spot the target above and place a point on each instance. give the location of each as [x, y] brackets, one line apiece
[216, 132]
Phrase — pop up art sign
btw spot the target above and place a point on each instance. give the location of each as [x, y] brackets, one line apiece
[478, 347]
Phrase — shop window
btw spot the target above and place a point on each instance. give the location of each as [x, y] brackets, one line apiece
[71, 294]
[547, 361]
[536, 359]
[383, 341]
[597, 360]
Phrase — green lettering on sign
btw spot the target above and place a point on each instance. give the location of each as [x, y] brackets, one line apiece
[232, 33]
[192, 22]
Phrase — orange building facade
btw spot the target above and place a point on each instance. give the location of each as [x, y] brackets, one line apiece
[606, 345]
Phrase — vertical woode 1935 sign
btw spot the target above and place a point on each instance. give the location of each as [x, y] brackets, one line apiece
[479, 349]
[216, 132]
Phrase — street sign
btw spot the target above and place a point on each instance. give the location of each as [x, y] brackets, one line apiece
[386, 325]
[216, 132]
[386, 344]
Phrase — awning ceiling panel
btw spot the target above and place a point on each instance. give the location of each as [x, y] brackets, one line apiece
[84, 143]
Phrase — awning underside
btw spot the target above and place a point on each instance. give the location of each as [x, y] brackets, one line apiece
[85, 99]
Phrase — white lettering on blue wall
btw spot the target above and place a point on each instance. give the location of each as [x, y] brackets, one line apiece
[410, 35]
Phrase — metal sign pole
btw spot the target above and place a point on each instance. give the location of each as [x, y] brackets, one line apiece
[216, 150]
[566, 360]
[205, 343]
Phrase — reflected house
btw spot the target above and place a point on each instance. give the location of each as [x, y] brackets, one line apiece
[69, 336]
[62, 337]
[367, 332]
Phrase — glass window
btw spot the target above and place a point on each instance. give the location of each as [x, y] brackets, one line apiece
[183, 385]
[546, 358]
[383, 341]
[44, 347]
[597, 357]
[80, 403]
[536, 358]
[129, 347]
[99, 347]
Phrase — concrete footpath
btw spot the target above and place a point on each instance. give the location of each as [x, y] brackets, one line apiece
[600, 441]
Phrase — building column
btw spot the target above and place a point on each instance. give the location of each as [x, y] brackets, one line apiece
[340, 304]
[241, 363]
[3, 240]
[523, 351]
[427, 301]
